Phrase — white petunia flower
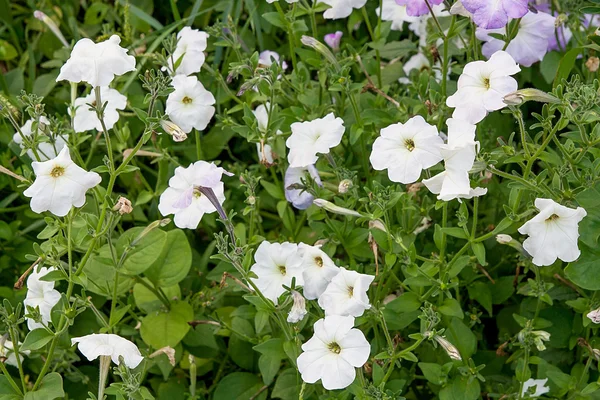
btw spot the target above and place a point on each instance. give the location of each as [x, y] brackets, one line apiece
[538, 384]
[553, 233]
[266, 57]
[190, 105]
[407, 149]
[341, 8]
[392, 11]
[8, 351]
[59, 185]
[86, 118]
[318, 270]
[482, 86]
[333, 353]
[298, 310]
[300, 199]
[40, 294]
[311, 137]
[113, 346]
[191, 44]
[346, 294]
[594, 315]
[45, 150]
[96, 63]
[276, 264]
[265, 151]
[183, 197]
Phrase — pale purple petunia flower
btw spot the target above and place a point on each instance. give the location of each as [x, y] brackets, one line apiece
[415, 8]
[493, 14]
[333, 40]
[300, 199]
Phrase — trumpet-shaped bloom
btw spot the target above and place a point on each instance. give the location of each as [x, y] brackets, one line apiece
[482, 86]
[311, 137]
[346, 294]
[276, 264]
[416, 8]
[191, 44]
[87, 119]
[397, 14]
[407, 149]
[190, 105]
[538, 384]
[45, 150]
[106, 344]
[553, 233]
[333, 40]
[96, 63]
[495, 14]
[341, 8]
[300, 199]
[536, 30]
[318, 270]
[59, 185]
[40, 294]
[267, 57]
[183, 197]
[333, 352]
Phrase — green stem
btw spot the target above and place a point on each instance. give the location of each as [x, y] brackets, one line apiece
[198, 144]
[12, 382]
[15, 342]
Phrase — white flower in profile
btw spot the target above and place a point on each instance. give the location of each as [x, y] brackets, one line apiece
[109, 345]
[341, 8]
[298, 310]
[482, 86]
[276, 264]
[311, 137]
[553, 233]
[407, 149]
[96, 63]
[333, 353]
[266, 58]
[190, 105]
[265, 151]
[45, 150]
[394, 12]
[346, 294]
[300, 199]
[40, 294]
[318, 270]
[183, 197]
[594, 315]
[191, 44]
[538, 384]
[59, 185]
[7, 350]
[86, 118]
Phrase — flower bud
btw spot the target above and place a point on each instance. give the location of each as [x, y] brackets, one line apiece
[377, 224]
[594, 315]
[123, 206]
[503, 239]
[450, 349]
[298, 310]
[173, 130]
[592, 64]
[333, 40]
[329, 206]
[344, 186]
[320, 48]
[523, 95]
[52, 26]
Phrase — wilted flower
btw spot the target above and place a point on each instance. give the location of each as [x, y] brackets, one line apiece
[109, 345]
[594, 315]
[96, 64]
[59, 185]
[191, 44]
[276, 264]
[341, 8]
[417, 8]
[86, 118]
[174, 130]
[592, 64]
[538, 384]
[406, 149]
[40, 294]
[298, 310]
[450, 349]
[317, 270]
[495, 14]
[539, 337]
[346, 294]
[553, 233]
[45, 150]
[123, 206]
[333, 352]
[300, 199]
[344, 186]
[333, 40]
[190, 105]
[183, 197]
[311, 137]
[51, 25]
[329, 206]
[168, 351]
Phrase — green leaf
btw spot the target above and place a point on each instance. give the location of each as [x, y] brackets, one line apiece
[44, 84]
[95, 13]
[167, 328]
[100, 272]
[479, 251]
[462, 337]
[288, 385]
[147, 301]
[275, 19]
[462, 389]
[51, 388]
[455, 232]
[7, 51]
[584, 271]
[452, 308]
[432, 372]
[268, 366]
[239, 386]
[6, 390]
[144, 253]
[408, 302]
[480, 292]
[174, 262]
[272, 347]
[36, 339]
[566, 65]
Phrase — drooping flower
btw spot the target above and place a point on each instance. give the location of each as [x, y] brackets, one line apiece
[113, 346]
[333, 353]
[45, 150]
[298, 310]
[173, 130]
[333, 40]
[264, 150]
[96, 63]
[341, 8]
[40, 294]
[482, 87]
[553, 233]
[276, 264]
[346, 294]
[311, 137]
[300, 199]
[190, 105]
[59, 185]
[184, 198]
[86, 118]
[7, 350]
[538, 384]
[594, 315]
[191, 44]
[416, 8]
[318, 270]
[407, 149]
[266, 58]
[495, 14]
[397, 14]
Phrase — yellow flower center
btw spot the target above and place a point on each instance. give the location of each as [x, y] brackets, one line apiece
[551, 218]
[57, 171]
[187, 100]
[319, 261]
[282, 269]
[334, 347]
[410, 144]
[350, 291]
[486, 83]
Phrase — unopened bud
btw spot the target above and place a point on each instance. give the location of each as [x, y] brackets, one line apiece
[51, 25]
[333, 40]
[298, 310]
[592, 64]
[123, 206]
[344, 186]
[377, 224]
[509, 241]
[503, 239]
[174, 130]
[523, 95]
[320, 48]
[450, 349]
[329, 206]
